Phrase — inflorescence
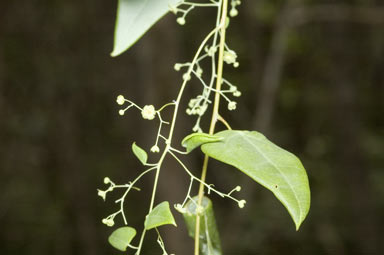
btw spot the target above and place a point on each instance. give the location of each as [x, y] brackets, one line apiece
[197, 106]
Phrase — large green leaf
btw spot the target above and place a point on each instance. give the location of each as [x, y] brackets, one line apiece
[122, 237]
[273, 167]
[134, 18]
[160, 215]
[209, 235]
[140, 153]
[194, 140]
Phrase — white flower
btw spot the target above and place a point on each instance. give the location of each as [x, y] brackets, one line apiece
[155, 149]
[109, 222]
[121, 112]
[230, 57]
[242, 203]
[238, 188]
[101, 194]
[148, 112]
[231, 106]
[120, 100]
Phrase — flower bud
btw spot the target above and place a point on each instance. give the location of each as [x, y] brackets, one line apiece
[107, 180]
[186, 76]
[237, 93]
[181, 20]
[233, 12]
[177, 67]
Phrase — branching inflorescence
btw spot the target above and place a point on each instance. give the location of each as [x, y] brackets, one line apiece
[208, 51]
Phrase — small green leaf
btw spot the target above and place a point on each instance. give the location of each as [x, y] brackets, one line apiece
[194, 140]
[209, 235]
[122, 237]
[140, 153]
[160, 215]
[273, 167]
[134, 18]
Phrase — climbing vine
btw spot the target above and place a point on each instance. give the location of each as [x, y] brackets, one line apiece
[248, 151]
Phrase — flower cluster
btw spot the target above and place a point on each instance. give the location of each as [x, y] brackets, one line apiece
[197, 106]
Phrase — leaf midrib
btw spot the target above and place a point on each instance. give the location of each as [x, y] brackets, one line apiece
[278, 169]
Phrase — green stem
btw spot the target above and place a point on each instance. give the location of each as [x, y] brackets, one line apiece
[169, 140]
[215, 114]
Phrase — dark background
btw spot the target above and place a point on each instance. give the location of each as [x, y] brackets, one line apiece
[312, 77]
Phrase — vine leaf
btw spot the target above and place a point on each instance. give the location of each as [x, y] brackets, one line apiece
[273, 167]
[122, 237]
[159, 216]
[209, 235]
[194, 140]
[134, 18]
[140, 153]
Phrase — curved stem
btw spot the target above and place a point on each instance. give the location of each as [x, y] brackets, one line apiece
[215, 114]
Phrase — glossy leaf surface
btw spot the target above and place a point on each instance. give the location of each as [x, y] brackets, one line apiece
[134, 18]
[159, 216]
[122, 237]
[273, 167]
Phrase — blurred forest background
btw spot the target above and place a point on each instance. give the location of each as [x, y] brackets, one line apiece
[312, 77]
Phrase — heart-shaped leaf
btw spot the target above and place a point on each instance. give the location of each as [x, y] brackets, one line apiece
[194, 140]
[140, 153]
[134, 18]
[122, 237]
[273, 167]
[159, 216]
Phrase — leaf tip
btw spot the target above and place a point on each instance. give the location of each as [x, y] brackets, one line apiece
[113, 54]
